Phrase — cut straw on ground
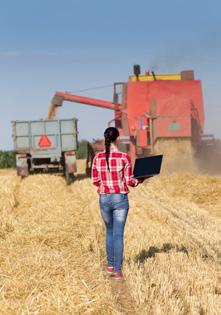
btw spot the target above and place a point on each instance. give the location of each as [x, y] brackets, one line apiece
[52, 247]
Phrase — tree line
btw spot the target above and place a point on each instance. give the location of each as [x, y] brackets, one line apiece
[7, 159]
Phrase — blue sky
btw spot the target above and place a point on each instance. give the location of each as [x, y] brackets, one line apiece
[69, 45]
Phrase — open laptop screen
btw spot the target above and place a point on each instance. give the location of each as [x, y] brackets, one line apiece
[147, 166]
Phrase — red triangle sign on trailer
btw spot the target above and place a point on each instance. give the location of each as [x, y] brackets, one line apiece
[44, 142]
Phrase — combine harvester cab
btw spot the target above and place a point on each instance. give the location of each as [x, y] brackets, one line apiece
[46, 146]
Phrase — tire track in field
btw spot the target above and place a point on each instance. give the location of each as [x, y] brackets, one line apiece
[187, 219]
[157, 220]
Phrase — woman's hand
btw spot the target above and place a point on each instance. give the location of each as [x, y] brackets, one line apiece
[142, 179]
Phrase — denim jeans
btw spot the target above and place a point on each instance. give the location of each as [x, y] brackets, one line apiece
[114, 210]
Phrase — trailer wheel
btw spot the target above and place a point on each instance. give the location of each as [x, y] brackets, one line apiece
[88, 171]
[69, 177]
[22, 172]
[22, 165]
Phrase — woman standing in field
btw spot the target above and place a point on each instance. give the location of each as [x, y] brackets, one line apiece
[112, 174]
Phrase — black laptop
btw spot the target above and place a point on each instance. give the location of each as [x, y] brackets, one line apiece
[147, 166]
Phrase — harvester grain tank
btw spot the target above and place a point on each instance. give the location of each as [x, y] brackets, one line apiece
[152, 112]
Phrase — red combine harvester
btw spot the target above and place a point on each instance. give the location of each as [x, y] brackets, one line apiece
[155, 113]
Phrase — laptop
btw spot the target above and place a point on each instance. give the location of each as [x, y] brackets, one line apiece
[147, 166]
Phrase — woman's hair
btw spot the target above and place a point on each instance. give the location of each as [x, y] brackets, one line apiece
[110, 135]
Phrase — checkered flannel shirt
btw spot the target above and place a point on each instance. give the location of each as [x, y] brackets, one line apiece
[120, 176]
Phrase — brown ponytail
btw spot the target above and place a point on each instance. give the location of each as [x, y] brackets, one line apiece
[107, 151]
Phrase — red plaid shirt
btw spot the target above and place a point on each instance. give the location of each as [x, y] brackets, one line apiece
[120, 176]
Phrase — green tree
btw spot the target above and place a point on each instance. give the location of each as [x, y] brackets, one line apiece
[7, 159]
[82, 151]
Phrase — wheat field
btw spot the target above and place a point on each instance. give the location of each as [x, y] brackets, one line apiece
[52, 247]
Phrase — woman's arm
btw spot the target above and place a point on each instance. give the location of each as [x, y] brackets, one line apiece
[95, 174]
[130, 180]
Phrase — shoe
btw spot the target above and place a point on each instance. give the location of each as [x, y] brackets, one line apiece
[117, 276]
[110, 269]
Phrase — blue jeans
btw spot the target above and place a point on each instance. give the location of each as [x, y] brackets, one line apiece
[114, 210]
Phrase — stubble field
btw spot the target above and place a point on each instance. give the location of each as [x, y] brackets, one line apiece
[52, 248]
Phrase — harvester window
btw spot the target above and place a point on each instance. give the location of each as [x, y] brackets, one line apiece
[118, 93]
